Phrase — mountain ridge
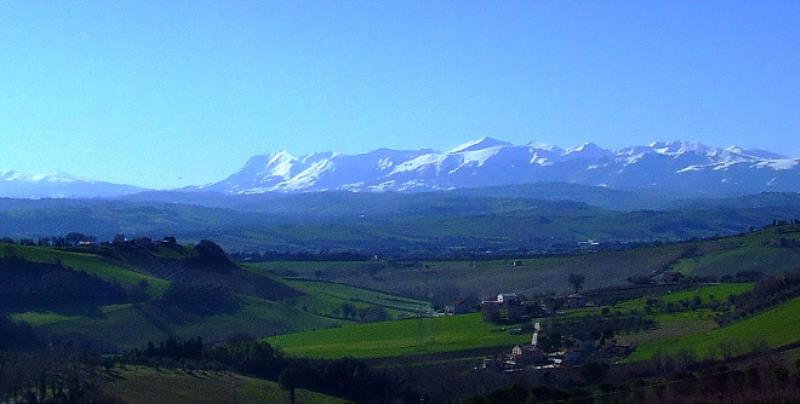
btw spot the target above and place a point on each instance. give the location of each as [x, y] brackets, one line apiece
[669, 166]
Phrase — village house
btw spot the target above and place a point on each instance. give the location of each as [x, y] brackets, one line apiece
[526, 354]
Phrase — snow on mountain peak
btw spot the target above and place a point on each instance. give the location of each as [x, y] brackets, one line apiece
[479, 144]
[487, 161]
[49, 176]
[588, 150]
[678, 147]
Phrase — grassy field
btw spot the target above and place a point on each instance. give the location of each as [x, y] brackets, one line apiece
[88, 263]
[774, 328]
[326, 299]
[143, 385]
[399, 338]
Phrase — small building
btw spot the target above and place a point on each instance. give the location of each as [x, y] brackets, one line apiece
[588, 244]
[576, 300]
[523, 354]
[511, 299]
[86, 244]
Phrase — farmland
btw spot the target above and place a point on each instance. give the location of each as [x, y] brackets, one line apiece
[757, 251]
[398, 338]
[326, 299]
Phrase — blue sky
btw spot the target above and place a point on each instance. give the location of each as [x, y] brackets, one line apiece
[172, 93]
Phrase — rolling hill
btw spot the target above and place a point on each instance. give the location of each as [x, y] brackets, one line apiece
[216, 298]
[427, 223]
[447, 279]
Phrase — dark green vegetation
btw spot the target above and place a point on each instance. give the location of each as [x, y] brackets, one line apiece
[347, 378]
[527, 218]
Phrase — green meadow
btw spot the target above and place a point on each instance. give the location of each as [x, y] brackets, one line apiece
[399, 338]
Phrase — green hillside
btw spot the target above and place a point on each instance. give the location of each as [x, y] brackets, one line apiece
[114, 272]
[773, 328]
[266, 305]
[131, 326]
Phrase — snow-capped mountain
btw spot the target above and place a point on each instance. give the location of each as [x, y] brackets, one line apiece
[14, 184]
[672, 166]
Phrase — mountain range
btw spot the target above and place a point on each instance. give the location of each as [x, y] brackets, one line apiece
[14, 184]
[685, 167]
[676, 166]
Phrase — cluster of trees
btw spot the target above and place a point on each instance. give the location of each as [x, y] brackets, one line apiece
[36, 285]
[367, 314]
[599, 329]
[210, 256]
[35, 370]
[347, 378]
[51, 376]
[513, 313]
[69, 240]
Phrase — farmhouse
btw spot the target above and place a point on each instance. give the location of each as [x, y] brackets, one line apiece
[511, 299]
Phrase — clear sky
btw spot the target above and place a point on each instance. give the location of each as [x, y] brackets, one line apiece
[169, 93]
